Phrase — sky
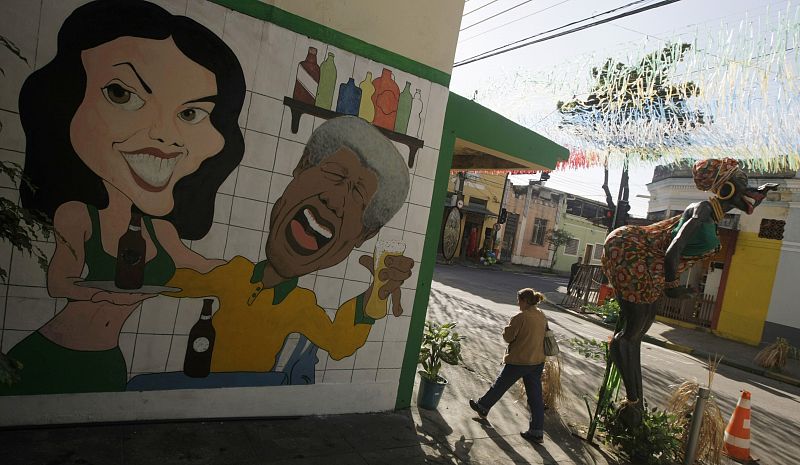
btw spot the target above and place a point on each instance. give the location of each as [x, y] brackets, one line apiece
[489, 80]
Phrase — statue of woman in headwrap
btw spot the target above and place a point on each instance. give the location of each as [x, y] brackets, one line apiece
[643, 263]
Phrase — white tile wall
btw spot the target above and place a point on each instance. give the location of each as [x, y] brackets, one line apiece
[391, 375]
[392, 354]
[328, 291]
[276, 62]
[265, 114]
[150, 353]
[259, 150]
[417, 220]
[11, 337]
[176, 7]
[367, 355]
[244, 242]
[364, 376]
[287, 156]
[338, 376]
[25, 269]
[12, 137]
[154, 337]
[158, 315]
[242, 33]
[20, 23]
[208, 14]
[248, 213]
[28, 308]
[177, 352]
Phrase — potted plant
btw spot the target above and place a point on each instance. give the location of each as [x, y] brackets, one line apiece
[440, 343]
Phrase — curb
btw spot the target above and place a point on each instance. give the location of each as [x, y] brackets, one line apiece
[689, 350]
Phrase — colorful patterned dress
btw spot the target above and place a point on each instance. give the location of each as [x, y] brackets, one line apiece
[633, 256]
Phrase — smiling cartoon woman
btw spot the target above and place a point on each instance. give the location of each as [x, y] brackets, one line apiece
[139, 108]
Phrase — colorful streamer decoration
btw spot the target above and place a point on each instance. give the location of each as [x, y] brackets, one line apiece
[731, 91]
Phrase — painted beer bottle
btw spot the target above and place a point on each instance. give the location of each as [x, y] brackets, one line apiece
[129, 272]
[200, 347]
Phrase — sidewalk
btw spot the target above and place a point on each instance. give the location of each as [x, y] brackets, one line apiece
[452, 434]
[701, 344]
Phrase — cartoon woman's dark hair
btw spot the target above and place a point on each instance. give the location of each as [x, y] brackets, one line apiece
[50, 97]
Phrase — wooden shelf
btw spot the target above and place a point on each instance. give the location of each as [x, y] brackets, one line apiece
[299, 108]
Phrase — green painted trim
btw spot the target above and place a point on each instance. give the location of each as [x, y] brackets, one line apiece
[316, 31]
[432, 236]
[477, 124]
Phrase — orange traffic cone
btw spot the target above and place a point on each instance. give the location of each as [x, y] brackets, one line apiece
[737, 434]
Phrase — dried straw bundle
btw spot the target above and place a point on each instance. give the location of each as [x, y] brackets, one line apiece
[774, 356]
[551, 382]
[551, 385]
[681, 404]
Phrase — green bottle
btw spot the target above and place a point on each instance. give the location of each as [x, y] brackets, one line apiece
[403, 110]
[327, 83]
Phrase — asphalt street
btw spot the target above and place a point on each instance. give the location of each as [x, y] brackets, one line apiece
[482, 301]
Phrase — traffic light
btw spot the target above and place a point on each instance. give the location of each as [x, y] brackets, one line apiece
[503, 216]
[609, 218]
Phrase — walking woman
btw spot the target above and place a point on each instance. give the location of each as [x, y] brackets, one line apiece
[524, 359]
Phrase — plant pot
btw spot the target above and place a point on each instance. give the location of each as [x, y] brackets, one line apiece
[429, 393]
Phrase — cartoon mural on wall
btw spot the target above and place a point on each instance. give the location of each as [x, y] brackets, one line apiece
[131, 130]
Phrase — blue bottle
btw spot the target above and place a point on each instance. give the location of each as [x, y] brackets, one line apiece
[349, 98]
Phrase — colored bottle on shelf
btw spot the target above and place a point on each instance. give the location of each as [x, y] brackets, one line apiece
[385, 100]
[415, 120]
[327, 83]
[349, 98]
[366, 108]
[403, 110]
[200, 347]
[131, 254]
[307, 80]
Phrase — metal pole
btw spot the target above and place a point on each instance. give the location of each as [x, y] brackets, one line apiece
[694, 429]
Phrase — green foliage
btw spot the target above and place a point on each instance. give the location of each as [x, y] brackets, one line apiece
[9, 370]
[556, 238]
[655, 441]
[589, 348]
[440, 343]
[609, 310]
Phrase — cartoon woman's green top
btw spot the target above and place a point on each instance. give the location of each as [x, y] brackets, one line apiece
[102, 265]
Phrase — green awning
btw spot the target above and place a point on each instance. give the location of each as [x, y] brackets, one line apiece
[488, 141]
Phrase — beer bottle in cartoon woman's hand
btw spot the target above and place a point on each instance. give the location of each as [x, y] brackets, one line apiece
[200, 346]
[131, 254]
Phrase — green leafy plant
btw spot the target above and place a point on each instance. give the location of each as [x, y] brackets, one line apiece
[655, 441]
[589, 348]
[440, 343]
[609, 311]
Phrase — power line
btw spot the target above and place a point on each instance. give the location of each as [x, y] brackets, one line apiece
[559, 27]
[498, 51]
[495, 15]
[513, 21]
[480, 7]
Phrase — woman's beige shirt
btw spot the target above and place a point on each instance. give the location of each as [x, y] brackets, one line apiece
[525, 337]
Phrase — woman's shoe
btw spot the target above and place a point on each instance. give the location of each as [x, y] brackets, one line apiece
[479, 409]
[532, 437]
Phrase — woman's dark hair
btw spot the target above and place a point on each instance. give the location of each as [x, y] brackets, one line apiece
[51, 96]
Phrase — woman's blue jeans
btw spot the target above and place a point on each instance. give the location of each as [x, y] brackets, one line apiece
[532, 377]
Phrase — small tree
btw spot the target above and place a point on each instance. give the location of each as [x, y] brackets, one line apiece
[556, 238]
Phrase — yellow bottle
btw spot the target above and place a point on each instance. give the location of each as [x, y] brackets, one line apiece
[366, 109]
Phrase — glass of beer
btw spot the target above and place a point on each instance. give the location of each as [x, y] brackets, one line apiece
[376, 307]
